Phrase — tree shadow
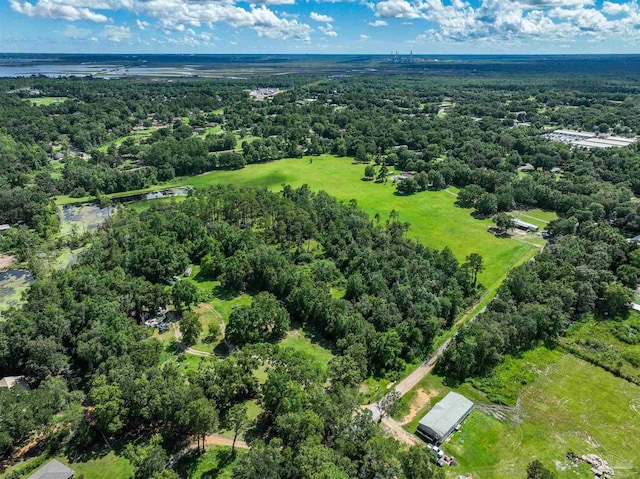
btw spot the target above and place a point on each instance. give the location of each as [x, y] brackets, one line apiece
[188, 465]
[498, 233]
[478, 216]
[224, 294]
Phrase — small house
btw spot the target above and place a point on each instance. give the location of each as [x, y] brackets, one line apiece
[58, 156]
[53, 470]
[4, 227]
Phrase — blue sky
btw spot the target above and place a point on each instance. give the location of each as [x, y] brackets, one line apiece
[313, 26]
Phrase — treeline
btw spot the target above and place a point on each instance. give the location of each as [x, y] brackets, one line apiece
[589, 271]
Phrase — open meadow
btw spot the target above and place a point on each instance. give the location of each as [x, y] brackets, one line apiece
[434, 218]
[563, 404]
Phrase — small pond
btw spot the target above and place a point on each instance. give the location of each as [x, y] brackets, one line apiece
[83, 217]
[12, 284]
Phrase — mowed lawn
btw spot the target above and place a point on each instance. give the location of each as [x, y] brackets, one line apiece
[47, 100]
[434, 218]
[308, 343]
[571, 406]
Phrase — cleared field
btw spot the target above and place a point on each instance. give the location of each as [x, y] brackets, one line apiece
[570, 405]
[613, 344]
[47, 100]
[434, 218]
[306, 342]
[537, 217]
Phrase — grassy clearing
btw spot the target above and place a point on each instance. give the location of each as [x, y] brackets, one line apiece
[566, 405]
[216, 462]
[136, 135]
[434, 219]
[93, 466]
[308, 343]
[101, 467]
[613, 344]
[47, 100]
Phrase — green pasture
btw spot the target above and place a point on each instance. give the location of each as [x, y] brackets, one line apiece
[612, 343]
[434, 218]
[565, 404]
[47, 100]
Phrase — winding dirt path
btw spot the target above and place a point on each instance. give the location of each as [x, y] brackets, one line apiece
[195, 352]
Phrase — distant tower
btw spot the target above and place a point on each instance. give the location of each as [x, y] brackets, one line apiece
[411, 57]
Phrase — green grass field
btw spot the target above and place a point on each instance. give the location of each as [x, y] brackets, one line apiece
[434, 218]
[99, 466]
[307, 343]
[47, 100]
[568, 405]
[611, 343]
[537, 217]
[217, 463]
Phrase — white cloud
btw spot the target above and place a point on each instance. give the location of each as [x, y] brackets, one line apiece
[508, 21]
[396, 9]
[142, 25]
[176, 15]
[318, 17]
[58, 11]
[364, 37]
[75, 33]
[378, 23]
[272, 2]
[328, 30]
[116, 34]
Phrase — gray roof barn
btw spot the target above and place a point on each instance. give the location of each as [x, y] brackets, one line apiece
[53, 470]
[443, 418]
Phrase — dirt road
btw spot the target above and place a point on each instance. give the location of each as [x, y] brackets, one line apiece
[390, 425]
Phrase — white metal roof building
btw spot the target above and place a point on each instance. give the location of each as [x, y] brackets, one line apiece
[53, 470]
[523, 225]
[443, 418]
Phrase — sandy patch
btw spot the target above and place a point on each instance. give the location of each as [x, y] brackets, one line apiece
[6, 261]
[418, 403]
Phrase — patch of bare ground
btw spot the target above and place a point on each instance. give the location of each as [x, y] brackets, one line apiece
[418, 403]
[6, 261]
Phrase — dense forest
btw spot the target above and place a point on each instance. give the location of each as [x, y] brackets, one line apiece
[80, 330]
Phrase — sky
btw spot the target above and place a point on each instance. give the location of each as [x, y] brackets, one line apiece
[317, 26]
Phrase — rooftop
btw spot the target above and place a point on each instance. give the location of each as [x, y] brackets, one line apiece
[446, 414]
[53, 470]
[9, 382]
